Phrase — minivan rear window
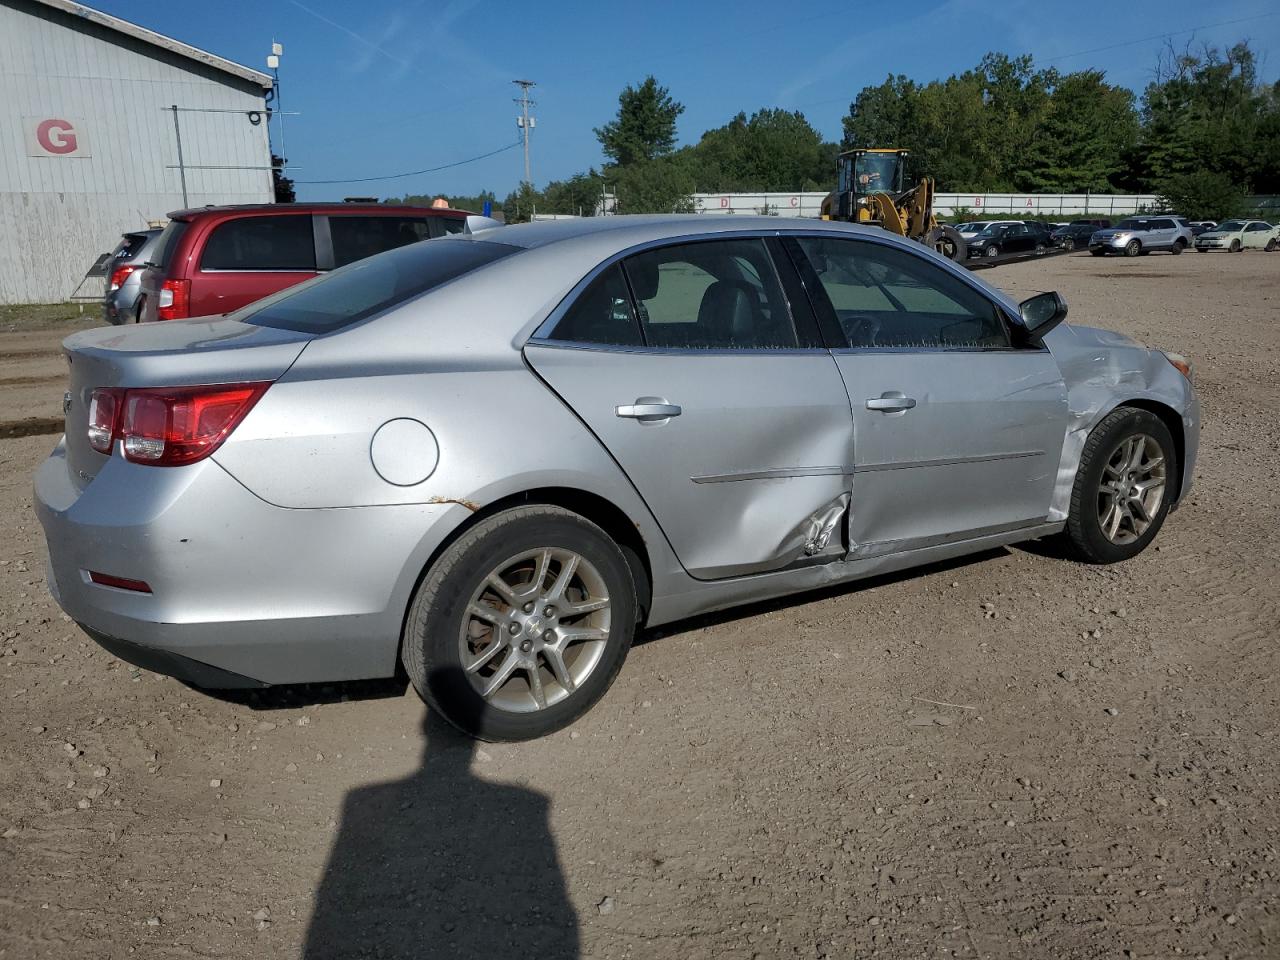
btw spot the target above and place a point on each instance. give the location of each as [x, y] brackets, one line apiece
[169, 240]
[361, 289]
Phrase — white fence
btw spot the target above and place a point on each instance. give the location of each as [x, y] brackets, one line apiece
[944, 204]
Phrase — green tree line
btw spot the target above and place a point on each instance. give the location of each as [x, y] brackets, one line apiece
[1204, 133]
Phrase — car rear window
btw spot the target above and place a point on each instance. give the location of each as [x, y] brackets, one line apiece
[130, 244]
[361, 289]
[355, 238]
[169, 239]
[261, 243]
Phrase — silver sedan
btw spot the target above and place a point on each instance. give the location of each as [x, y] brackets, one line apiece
[491, 458]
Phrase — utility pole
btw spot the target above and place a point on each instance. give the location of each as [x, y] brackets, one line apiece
[273, 63]
[525, 122]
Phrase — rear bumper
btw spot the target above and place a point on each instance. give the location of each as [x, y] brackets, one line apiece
[242, 591]
[172, 664]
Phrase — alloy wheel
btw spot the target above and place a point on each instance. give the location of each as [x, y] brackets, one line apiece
[535, 629]
[1132, 488]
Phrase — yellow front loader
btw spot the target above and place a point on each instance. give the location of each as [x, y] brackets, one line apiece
[869, 189]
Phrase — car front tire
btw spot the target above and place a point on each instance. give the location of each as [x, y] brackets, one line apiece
[992, 251]
[521, 624]
[1123, 487]
[1132, 248]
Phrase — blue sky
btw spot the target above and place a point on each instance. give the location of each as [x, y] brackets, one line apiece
[386, 86]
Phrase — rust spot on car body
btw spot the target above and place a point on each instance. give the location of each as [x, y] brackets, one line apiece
[469, 504]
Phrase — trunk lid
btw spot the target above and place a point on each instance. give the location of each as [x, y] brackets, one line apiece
[176, 353]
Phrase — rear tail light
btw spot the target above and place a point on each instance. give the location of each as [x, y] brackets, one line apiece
[169, 426]
[175, 300]
[104, 409]
[118, 276]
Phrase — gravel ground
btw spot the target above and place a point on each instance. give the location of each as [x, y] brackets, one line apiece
[1009, 756]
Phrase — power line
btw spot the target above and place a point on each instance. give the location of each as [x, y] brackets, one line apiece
[1081, 53]
[414, 173]
[1160, 36]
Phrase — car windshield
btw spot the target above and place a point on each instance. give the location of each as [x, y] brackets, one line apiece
[361, 289]
[1231, 226]
[991, 230]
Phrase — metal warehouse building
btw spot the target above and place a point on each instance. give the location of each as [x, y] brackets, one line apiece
[95, 113]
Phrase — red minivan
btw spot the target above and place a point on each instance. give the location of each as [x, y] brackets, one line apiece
[213, 260]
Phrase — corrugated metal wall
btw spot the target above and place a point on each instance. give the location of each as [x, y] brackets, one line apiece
[58, 213]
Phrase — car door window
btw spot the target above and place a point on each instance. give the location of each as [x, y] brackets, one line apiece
[355, 238]
[716, 295]
[601, 314]
[261, 243]
[887, 298]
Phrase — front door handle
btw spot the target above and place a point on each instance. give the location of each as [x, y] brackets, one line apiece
[891, 401]
[648, 410]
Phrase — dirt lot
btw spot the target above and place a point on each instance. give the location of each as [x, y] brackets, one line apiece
[1086, 769]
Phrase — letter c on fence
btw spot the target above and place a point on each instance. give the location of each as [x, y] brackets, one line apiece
[795, 201]
[57, 137]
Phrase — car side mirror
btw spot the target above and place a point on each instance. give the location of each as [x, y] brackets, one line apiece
[1042, 313]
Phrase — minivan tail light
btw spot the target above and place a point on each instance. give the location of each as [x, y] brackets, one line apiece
[175, 300]
[169, 426]
[118, 276]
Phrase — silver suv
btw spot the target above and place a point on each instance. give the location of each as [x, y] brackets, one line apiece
[124, 275]
[1140, 235]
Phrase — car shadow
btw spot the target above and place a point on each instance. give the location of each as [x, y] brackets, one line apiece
[443, 864]
[292, 696]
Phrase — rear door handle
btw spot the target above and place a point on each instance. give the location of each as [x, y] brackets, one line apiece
[892, 401]
[648, 410]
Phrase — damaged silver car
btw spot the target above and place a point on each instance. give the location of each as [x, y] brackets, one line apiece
[491, 458]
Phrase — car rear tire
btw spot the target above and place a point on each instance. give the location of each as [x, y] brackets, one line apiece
[1271, 245]
[1178, 247]
[1122, 489]
[1068, 244]
[1040, 248]
[521, 624]
[1132, 248]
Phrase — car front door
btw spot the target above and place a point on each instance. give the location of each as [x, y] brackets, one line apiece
[721, 405]
[958, 430]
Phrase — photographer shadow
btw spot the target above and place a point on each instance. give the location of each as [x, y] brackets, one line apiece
[443, 864]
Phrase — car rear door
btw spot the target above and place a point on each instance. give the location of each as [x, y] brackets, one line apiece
[720, 404]
[243, 259]
[1256, 234]
[1017, 239]
[958, 431]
